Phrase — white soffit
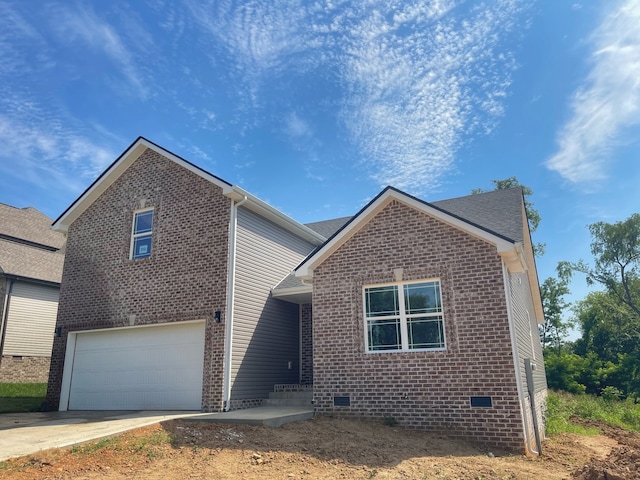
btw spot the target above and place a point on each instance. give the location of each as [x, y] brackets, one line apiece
[305, 270]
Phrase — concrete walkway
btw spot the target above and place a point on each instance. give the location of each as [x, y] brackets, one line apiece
[27, 433]
[269, 416]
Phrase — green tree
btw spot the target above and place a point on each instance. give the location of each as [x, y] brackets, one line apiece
[553, 290]
[610, 332]
[533, 216]
[616, 251]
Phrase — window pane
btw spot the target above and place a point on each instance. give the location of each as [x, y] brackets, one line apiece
[426, 332]
[382, 301]
[384, 334]
[142, 247]
[144, 220]
[422, 298]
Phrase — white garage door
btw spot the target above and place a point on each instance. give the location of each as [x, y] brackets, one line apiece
[146, 368]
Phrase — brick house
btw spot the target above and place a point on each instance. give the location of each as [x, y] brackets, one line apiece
[182, 291]
[31, 258]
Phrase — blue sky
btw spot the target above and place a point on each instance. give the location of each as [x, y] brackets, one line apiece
[316, 106]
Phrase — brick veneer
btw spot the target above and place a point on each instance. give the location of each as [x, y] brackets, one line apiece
[306, 367]
[24, 369]
[184, 279]
[428, 390]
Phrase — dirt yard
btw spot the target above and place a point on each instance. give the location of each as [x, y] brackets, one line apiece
[324, 448]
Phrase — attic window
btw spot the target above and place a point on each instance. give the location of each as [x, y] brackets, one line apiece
[141, 234]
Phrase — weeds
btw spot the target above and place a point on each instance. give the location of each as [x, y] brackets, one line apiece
[390, 421]
[111, 442]
[561, 406]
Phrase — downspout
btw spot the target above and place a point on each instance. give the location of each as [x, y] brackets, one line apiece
[516, 358]
[231, 280]
[5, 316]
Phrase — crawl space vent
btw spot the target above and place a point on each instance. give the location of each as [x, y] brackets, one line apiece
[341, 401]
[478, 402]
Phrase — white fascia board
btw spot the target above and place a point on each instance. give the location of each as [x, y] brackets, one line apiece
[265, 210]
[114, 172]
[305, 270]
[283, 292]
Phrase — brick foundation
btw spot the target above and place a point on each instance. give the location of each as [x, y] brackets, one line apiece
[24, 369]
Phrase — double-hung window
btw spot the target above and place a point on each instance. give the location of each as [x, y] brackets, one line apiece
[141, 234]
[404, 317]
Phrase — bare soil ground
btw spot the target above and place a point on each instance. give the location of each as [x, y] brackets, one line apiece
[325, 448]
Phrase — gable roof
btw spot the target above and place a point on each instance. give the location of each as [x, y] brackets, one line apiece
[498, 211]
[497, 217]
[503, 242]
[235, 193]
[115, 170]
[326, 228]
[28, 247]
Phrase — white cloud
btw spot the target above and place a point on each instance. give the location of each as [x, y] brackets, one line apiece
[415, 77]
[421, 80]
[296, 127]
[83, 25]
[607, 102]
[48, 155]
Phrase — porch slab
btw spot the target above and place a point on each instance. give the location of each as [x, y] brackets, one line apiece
[270, 416]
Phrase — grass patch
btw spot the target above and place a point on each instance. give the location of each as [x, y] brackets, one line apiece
[21, 397]
[148, 446]
[110, 442]
[562, 406]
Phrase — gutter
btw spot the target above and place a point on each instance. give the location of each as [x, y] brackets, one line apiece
[231, 280]
[5, 315]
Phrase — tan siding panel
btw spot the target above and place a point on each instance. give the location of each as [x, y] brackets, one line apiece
[32, 320]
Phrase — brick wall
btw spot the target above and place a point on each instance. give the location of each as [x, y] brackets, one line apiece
[24, 369]
[428, 390]
[306, 367]
[184, 279]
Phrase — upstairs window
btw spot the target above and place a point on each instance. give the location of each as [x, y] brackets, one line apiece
[404, 317]
[141, 234]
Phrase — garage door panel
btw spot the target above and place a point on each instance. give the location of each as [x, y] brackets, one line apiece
[147, 368]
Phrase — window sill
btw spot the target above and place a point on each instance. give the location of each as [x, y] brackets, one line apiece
[413, 350]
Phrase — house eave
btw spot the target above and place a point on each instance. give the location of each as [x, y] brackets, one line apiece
[265, 210]
[297, 295]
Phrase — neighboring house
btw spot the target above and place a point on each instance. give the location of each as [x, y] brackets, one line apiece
[31, 258]
[182, 291]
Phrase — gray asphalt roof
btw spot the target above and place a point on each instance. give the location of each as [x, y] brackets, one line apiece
[498, 211]
[28, 246]
[326, 228]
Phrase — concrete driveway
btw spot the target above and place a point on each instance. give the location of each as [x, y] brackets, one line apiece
[26, 433]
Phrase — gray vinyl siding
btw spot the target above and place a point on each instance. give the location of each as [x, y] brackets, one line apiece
[266, 333]
[31, 321]
[527, 337]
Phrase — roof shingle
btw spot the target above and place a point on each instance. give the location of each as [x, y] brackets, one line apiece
[28, 246]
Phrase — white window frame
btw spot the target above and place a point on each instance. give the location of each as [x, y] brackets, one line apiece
[135, 236]
[404, 330]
